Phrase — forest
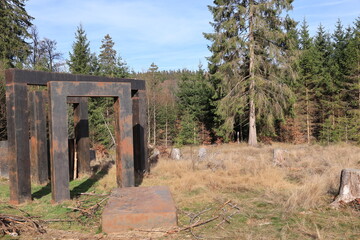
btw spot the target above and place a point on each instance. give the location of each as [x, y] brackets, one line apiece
[267, 79]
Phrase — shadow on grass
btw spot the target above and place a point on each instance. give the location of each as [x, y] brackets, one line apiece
[42, 192]
[100, 172]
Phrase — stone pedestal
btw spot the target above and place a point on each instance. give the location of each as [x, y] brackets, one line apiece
[140, 208]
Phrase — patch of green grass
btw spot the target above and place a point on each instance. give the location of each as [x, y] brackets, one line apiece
[43, 208]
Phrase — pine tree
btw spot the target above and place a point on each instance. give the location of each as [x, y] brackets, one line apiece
[107, 57]
[14, 24]
[306, 87]
[187, 133]
[80, 58]
[111, 64]
[352, 83]
[194, 96]
[326, 88]
[153, 87]
[247, 51]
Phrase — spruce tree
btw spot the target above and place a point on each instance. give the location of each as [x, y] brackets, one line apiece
[111, 64]
[80, 58]
[248, 53]
[194, 97]
[352, 83]
[306, 87]
[14, 24]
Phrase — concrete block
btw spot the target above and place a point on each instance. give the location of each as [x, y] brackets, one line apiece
[139, 208]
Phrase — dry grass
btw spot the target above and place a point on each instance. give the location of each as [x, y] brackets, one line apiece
[278, 202]
[308, 179]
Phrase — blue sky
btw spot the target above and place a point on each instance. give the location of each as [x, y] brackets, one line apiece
[167, 32]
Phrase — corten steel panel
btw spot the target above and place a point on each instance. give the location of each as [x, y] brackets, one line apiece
[38, 138]
[18, 140]
[42, 78]
[139, 208]
[58, 92]
[82, 136]
[4, 163]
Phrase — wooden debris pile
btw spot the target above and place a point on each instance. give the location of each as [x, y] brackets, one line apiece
[14, 225]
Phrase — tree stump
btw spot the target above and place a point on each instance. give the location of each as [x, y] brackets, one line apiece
[349, 187]
[175, 154]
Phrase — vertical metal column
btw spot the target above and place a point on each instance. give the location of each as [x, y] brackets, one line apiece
[139, 131]
[81, 123]
[59, 160]
[38, 138]
[18, 140]
[124, 141]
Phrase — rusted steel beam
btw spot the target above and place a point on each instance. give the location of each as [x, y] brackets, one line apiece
[42, 78]
[58, 92]
[82, 139]
[124, 140]
[38, 138]
[18, 140]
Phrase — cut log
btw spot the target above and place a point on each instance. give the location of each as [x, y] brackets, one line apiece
[349, 187]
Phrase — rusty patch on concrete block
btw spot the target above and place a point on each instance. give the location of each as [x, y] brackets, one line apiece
[141, 208]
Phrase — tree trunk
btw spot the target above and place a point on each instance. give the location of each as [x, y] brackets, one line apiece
[349, 187]
[166, 129]
[148, 118]
[307, 116]
[154, 123]
[252, 116]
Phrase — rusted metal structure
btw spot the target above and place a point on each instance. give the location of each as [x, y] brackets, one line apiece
[18, 115]
[58, 93]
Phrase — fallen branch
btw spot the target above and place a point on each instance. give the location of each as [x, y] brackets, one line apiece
[95, 194]
[57, 220]
[90, 210]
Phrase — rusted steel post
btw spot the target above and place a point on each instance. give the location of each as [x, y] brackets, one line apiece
[38, 138]
[139, 131]
[59, 161]
[18, 140]
[81, 123]
[124, 141]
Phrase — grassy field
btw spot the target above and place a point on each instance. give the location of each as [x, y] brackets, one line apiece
[253, 196]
